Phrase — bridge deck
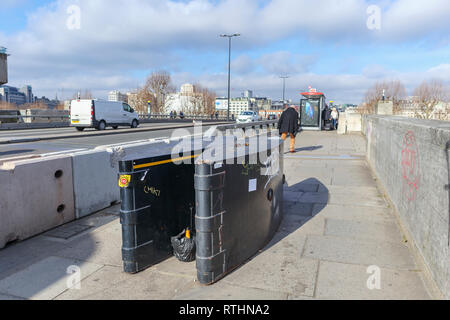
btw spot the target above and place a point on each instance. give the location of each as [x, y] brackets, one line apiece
[338, 235]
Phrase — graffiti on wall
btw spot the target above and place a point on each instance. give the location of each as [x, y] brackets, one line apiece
[410, 166]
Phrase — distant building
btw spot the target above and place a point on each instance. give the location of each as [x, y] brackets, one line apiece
[117, 96]
[186, 100]
[263, 103]
[278, 105]
[248, 94]
[3, 66]
[16, 96]
[244, 103]
[51, 104]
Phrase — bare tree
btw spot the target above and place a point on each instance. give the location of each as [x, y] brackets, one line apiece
[156, 88]
[34, 105]
[7, 106]
[393, 91]
[427, 96]
[206, 100]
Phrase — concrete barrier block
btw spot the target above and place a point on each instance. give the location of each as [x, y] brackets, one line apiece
[95, 175]
[94, 181]
[385, 108]
[342, 127]
[36, 195]
[353, 122]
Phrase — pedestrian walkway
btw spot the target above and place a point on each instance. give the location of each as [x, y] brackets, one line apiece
[339, 240]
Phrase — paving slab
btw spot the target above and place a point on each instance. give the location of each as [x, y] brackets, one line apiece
[226, 291]
[277, 272]
[353, 212]
[99, 281]
[4, 297]
[356, 282]
[359, 251]
[21, 255]
[147, 285]
[102, 246]
[45, 279]
[378, 231]
[314, 197]
[298, 208]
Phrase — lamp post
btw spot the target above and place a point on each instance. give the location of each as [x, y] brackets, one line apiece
[229, 36]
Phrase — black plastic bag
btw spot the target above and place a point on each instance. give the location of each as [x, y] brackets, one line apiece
[183, 247]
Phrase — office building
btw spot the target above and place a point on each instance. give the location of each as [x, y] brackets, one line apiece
[116, 95]
[16, 96]
[3, 66]
[186, 100]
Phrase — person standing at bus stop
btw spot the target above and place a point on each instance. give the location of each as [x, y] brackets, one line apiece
[335, 118]
[288, 125]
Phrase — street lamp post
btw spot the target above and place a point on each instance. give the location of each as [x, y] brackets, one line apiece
[229, 36]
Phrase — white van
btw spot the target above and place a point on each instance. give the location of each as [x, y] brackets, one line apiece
[100, 114]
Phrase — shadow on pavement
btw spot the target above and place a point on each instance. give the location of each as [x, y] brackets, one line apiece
[311, 148]
[302, 202]
[45, 266]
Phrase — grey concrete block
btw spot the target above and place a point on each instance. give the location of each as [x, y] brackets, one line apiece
[41, 211]
[46, 279]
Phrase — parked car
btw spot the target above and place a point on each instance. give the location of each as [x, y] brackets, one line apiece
[247, 116]
[99, 114]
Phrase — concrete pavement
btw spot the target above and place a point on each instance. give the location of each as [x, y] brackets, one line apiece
[339, 240]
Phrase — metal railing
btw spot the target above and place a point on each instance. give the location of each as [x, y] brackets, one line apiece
[141, 117]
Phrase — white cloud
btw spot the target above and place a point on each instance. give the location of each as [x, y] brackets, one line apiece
[121, 37]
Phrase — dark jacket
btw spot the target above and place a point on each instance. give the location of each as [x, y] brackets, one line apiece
[288, 122]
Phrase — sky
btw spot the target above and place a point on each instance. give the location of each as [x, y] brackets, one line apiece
[340, 47]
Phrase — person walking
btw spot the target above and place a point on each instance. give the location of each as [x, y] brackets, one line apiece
[288, 125]
[335, 117]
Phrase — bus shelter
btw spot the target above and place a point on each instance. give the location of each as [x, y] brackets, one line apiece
[311, 107]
